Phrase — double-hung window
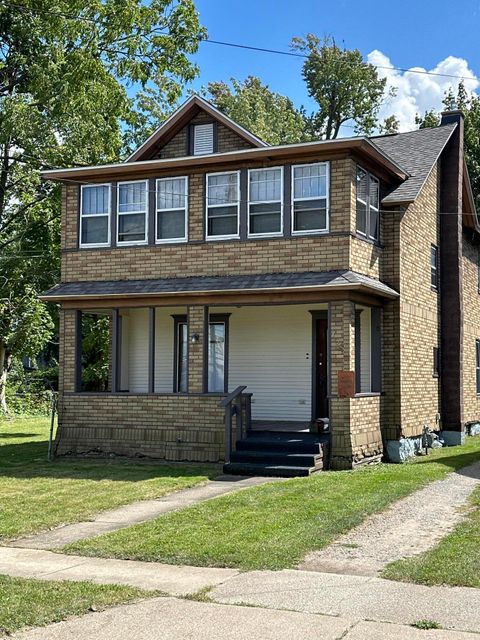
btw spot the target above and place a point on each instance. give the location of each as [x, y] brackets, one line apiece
[132, 212]
[171, 215]
[95, 215]
[265, 187]
[223, 205]
[368, 205]
[477, 346]
[310, 198]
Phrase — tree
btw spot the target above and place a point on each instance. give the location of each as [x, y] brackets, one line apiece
[342, 84]
[390, 125]
[65, 71]
[469, 104]
[269, 115]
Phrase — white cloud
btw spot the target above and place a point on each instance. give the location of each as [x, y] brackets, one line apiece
[417, 92]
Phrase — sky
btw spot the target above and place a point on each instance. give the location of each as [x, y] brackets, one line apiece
[440, 37]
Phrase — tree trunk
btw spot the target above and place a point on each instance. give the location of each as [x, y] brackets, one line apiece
[5, 366]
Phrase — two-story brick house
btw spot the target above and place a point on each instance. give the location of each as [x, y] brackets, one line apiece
[336, 280]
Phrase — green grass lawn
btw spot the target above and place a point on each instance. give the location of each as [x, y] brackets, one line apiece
[273, 526]
[454, 561]
[33, 603]
[36, 495]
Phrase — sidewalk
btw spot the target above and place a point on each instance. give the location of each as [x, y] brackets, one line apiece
[172, 619]
[353, 599]
[137, 512]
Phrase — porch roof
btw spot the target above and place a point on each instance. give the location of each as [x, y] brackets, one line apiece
[268, 282]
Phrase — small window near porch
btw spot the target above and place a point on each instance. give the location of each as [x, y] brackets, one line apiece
[367, 350]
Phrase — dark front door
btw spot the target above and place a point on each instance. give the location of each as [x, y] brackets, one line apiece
[321, 369]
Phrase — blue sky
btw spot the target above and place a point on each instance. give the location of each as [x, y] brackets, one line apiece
[434, 36]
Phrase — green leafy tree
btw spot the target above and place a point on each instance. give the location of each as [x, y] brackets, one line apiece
[469, 104]
[342, 84]
[390, 125]
[65, 73]
[269, 115]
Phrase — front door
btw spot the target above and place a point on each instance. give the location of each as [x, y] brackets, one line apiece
[321, 369]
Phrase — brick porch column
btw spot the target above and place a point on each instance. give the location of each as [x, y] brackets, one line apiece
[342, 359]
[67, 350]
[197, 351]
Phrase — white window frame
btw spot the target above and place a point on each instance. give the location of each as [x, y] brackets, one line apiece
[234, 236]
[272, 234]
[132, 243]
[93, 245]
[368, 206]
[157, 210]
[327, 197]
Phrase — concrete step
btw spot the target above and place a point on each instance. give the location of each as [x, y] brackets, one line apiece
[279, 457]
[262, 469]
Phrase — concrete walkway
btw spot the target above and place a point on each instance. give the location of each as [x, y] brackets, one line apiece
[408, 527]
[172, 619]
[137, 512]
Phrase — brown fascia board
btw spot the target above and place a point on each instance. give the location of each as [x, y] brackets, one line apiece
[227, 292]
[181, 117]
[145, 168]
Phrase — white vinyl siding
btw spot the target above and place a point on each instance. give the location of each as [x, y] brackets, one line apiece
[95, 202]
[270, 352]
[203, 139]
[365, 350]
[134, 352]
[171, 221]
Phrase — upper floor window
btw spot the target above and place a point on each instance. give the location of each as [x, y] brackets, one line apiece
[265, 187]
[368, 197]
[310, 198]
[95, 215]
[132, 212]
[203, 139]
[223, 205]
[171, 214]
[434, 267]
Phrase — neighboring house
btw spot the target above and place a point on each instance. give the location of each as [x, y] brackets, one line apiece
[337, 280]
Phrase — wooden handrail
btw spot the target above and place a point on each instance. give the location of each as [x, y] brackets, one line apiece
[231, 396]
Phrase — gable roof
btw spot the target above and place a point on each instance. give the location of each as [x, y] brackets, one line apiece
[417, 152]
[181, 117]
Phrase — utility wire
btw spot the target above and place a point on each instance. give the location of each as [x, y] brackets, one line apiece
[238, 45]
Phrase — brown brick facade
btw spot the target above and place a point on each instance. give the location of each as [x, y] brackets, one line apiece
[471, 327]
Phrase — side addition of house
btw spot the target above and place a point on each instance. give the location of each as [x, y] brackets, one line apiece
[270, 307]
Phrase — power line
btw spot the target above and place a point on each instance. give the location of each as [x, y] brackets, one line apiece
[238, 45]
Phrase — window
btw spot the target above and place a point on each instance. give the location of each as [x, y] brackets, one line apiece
[436, 362]
[367, 350]
[171, 215]
[223, 205]
[265, 202]
[310, 198]
[478, 366]
[434, 267]
[368, 205]
[95, 215]
[180, 381]
[132, 212]
[203, 139]
[217, 354]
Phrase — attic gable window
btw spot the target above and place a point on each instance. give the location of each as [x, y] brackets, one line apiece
[203, 139]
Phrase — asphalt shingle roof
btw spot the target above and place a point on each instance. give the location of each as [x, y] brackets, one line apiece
[416, 152]
[321, 279]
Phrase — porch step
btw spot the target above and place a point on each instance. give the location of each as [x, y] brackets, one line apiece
[282, 458]
[259, 469]
[283, 454]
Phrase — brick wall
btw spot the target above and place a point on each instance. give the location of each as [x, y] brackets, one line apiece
[170, 427]
[471, 328]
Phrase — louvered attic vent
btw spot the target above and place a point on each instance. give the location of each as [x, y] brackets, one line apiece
[202, 139]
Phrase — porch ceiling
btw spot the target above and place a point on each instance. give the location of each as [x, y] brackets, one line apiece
[304, 282]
